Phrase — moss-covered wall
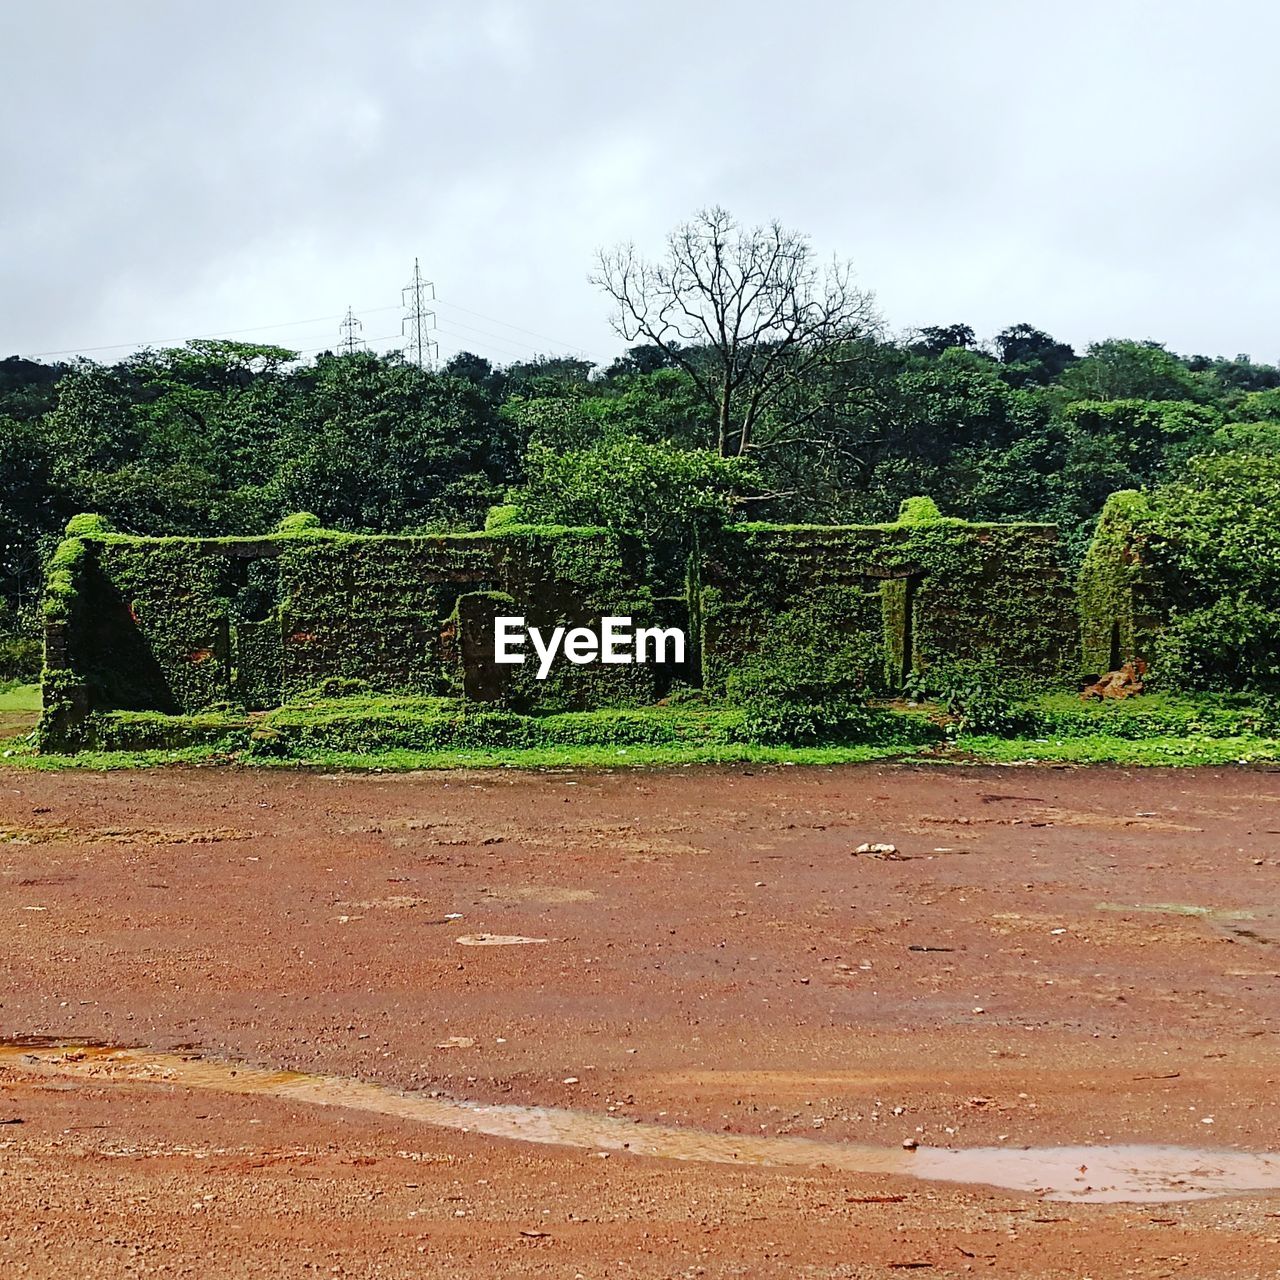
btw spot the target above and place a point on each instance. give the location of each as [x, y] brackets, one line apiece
[1123, 598]
[187, 624]
[183, 624]
[928, 589]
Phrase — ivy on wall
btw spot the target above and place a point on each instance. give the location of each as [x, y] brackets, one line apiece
[1121, 594]
[928, 589]
[182, 625]
[192, 625]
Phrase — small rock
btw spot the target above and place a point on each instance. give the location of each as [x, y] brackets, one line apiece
[909, 1144]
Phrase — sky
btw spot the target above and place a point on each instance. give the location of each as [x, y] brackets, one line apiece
[168, 171]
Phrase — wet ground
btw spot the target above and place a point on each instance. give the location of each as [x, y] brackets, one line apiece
[641, 1024]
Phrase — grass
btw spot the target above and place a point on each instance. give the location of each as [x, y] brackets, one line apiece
[1104, 749]
[966, 750]
[394, 761]
[391, 735]
[19, 697]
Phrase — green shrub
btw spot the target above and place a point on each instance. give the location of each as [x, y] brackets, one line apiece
[1217, 540]
[299, 522]
[1155, 715]
[87, 524]
[918, 511]
[982, 697]
[808, 683]
[1232, 642]
[501, 516]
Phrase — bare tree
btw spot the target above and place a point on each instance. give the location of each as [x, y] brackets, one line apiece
[748, 314]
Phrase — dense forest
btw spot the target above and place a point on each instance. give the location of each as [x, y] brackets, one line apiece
[808, 411]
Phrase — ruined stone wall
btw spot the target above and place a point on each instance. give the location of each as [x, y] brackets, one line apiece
[1124, 600]
[928, 590]
[183, 624]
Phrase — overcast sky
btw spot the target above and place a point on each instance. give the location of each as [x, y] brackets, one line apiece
[168, 170]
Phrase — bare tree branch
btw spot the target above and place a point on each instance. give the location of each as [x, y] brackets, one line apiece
[763, 316]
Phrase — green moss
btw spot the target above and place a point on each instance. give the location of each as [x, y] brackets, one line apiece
[1121, 595]
[947, 590]
[87, 525]
[162, 624]
[501, 517]
[299, 522]
[918, 511]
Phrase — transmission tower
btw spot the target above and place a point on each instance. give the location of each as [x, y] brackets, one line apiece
[351, 341]
[418, 320]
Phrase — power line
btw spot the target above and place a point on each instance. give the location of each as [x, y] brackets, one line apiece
[418, 320]
[506, 324]
[423, 291]
[194, 337]
[350, 341]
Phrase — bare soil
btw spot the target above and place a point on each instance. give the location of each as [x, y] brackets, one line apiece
[1051, 957]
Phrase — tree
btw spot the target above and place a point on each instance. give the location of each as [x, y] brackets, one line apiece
[471, 367]
[747, 314]
[1032, 356]
[933, 340]
[664, 494]
[29, 512]
[1219, 543]
[1118, 369]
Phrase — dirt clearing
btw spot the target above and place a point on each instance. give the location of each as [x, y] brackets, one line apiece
[1050, 959]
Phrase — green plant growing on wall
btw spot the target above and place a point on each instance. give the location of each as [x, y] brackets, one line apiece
[810, 680]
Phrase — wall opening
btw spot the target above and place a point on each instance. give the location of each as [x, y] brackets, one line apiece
[900, 598]
[254, 643]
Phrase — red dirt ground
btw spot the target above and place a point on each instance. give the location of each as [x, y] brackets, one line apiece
[717, 958]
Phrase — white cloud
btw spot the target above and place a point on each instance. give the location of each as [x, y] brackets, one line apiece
[1094, 169]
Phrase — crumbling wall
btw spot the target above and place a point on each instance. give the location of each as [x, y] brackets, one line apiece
[1123, 597]
[180, 625]
[929, 589]
[183, 625]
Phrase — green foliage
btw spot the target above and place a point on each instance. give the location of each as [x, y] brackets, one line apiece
[1217, 541]
[1122, 370]
[185, 625]
[918, 511]
[974, 590]
[87, 525]
[370, 732]
[61, 587]
[666, 496]
[810, 679]
[982, 697]
[20, 657]
[501, 517]
[1153, 716]
[220, 438]
[655, 491]
[299, 522]
[1120, 595]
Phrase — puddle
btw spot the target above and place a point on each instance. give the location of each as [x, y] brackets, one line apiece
[1114, 1174]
